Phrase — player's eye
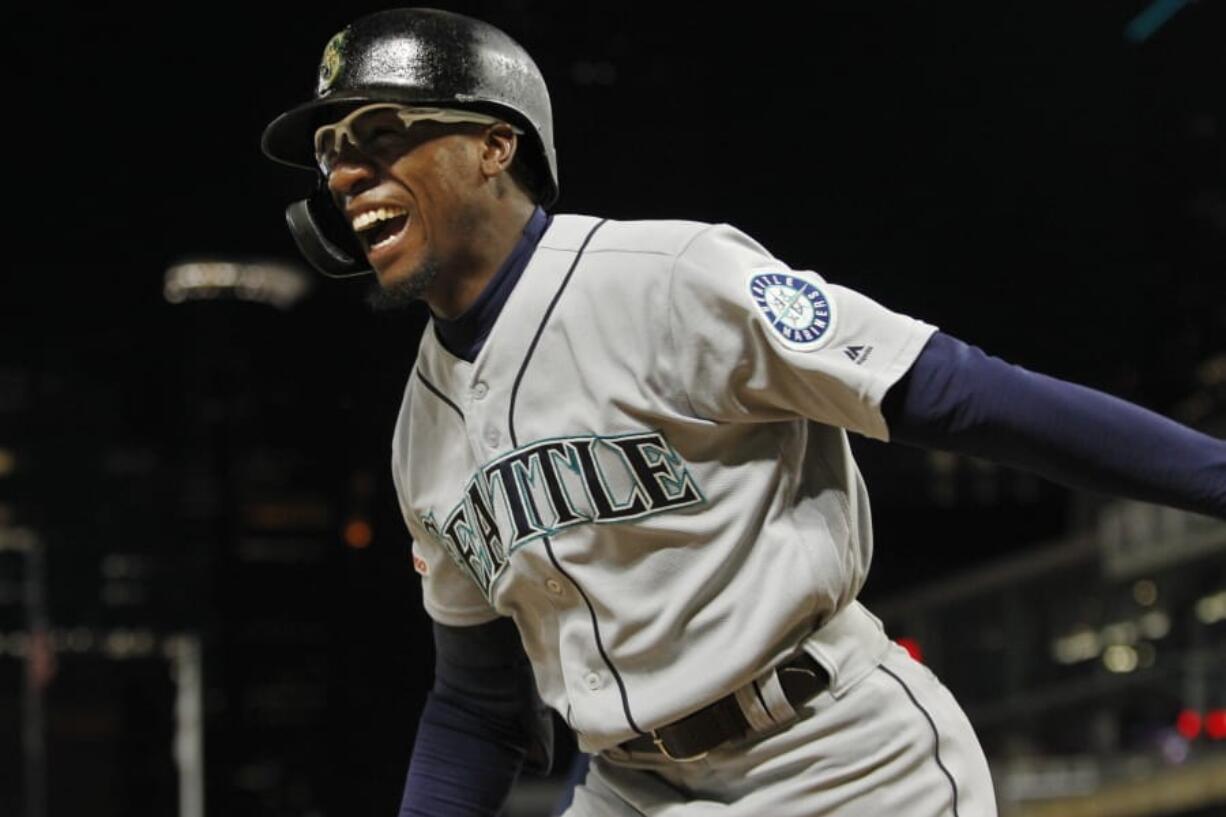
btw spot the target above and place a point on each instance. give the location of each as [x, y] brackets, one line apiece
[382, 137]
[382, 133]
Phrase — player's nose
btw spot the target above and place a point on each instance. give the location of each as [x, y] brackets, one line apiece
[350, 175]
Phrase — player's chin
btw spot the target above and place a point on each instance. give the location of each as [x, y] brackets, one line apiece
[404, 274]
[387, 275]
[397, 290]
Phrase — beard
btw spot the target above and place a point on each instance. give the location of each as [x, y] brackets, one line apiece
[403, 293]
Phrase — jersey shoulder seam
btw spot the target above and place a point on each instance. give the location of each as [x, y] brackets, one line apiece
[661, 237]
[672, 335]
[625, 250]
[590, 251]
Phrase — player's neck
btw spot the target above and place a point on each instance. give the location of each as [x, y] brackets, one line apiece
[492, 241]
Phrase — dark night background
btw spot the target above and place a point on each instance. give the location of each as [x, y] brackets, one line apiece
[1019, 174]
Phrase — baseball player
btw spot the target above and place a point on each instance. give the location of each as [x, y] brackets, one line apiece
[622, 455]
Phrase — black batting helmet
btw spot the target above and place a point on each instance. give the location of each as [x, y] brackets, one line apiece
[421, 57]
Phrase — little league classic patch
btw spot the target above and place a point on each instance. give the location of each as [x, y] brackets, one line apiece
[797, 311]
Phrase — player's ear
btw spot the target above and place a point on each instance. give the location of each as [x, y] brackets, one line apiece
[498, 149]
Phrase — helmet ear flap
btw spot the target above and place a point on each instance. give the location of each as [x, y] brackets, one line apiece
[323, 236]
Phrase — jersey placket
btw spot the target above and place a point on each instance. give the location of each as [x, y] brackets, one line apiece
[485, 411]
[543, 596]
[484, 436]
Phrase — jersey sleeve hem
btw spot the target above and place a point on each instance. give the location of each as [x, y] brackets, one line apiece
[902, 361]
[454, 618]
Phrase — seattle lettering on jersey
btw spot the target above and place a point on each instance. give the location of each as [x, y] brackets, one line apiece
[551, 485]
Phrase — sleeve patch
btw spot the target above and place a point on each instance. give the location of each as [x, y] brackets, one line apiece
[798, 312]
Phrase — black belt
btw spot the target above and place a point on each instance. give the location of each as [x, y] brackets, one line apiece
[694, 735]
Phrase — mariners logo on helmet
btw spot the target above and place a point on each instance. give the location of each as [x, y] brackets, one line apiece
[330, 65]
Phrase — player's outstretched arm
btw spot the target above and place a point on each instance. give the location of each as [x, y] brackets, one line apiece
[956, 398]
[482, 723]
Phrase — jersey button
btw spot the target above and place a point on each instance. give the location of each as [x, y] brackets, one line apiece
[492, 436]
[554, 586]
[480, 390]
[593, 681]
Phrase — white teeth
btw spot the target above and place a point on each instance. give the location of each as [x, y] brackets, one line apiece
[386, 241]
[364, 220]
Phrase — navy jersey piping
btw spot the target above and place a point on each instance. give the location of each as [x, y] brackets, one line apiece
[519, 376]
[604, 656]
[936, 737]
[439, 394]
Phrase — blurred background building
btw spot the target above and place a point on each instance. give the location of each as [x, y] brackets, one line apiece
[206, 599]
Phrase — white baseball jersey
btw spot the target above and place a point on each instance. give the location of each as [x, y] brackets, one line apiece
[646, 466]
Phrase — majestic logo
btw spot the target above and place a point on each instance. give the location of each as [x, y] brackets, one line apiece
[551, 485]
[858, 354]
[796, 310]
[330, 65]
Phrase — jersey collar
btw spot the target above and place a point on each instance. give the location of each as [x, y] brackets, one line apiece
[465, 335]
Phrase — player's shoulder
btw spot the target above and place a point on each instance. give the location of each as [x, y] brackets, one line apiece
[663, 237]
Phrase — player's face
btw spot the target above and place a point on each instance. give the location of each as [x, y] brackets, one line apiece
[406, 194]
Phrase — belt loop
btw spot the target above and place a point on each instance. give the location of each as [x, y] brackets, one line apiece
[764, 702]
[849, 646]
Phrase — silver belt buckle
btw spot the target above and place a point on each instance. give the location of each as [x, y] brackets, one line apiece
[659, 742]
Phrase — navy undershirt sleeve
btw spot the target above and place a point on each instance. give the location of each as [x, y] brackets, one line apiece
[483, 722]
[956, 398]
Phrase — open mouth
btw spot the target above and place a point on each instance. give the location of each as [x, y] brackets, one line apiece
[378, 231]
